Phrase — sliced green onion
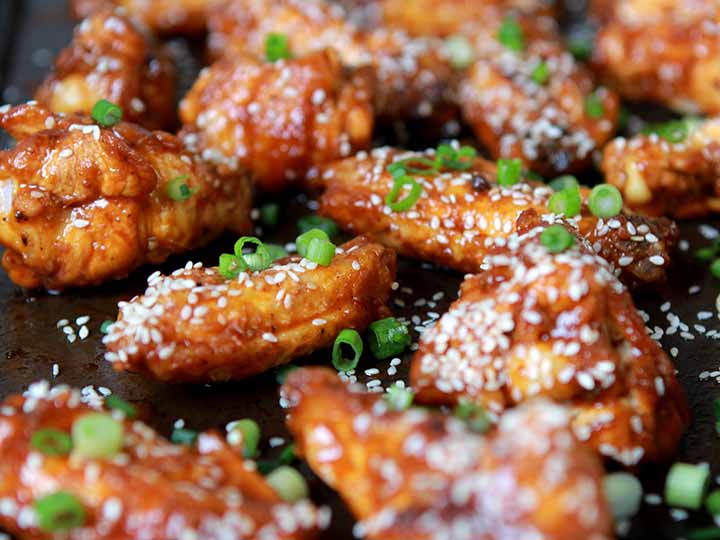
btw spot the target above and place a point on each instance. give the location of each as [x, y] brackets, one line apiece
[706, 254]
[708, 533]
[473, 415]
[398, 204]
[605, 201]
[509, 171]
[270, 214]
[556, 239]
[685, 485]
[105, 326]
[674, 131]
[388, 337]
[302, 242]
[399, 398]
[416, 165]
[566, 202]
[712, 503]
[96, 436]
[511, 35]
[276, 252]
[716, 408]
[257, 261]
[460, 51]
[249, 432]
[327, 225]
[447, 157]
[288, 455]
[183, 436]
[320, 251]
[60, 511]
[283, 372]
[561, 183]
[51, 442]
[624, 493]
[231, 266]
[580, 46]
[178, 190]
[715, 268]
[277, 47]
[352, 339]
[107, 114]
[288, 484]
[594, 107]
[118, 404]
[541, 73]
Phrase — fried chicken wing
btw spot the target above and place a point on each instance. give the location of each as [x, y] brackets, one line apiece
[81, 204]
[423, 475]
[109, 58]
[278, 120]
[150, 489]
[412, 74]
[662, 51]
[560, 326]
[197, 325]
[662, 178]
[461, 214]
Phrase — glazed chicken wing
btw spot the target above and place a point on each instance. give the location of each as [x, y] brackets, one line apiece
[110, 59]
[461, 214]
[679, 177]
[420, 474]
[663, 51]
[197, 325]
[81, 204]
[560, 326]
[150, 489]
[277, 120]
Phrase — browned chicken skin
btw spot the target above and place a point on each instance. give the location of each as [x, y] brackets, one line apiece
[461, 214]
[662, 178]
[151, 489]
[277, 120]
[663, 51]
[423, 475]
[204, 327]
[81, 204]
[110, 59]
[560, 326]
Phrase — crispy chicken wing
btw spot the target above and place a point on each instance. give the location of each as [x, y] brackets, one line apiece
[81, 204]
[277, 120]
[151, 489]
[411, 74]
[561, 326]
[461, 214]
[663, 51]
[196, 325]
[663, 178]
[420, 474]
[109, 58]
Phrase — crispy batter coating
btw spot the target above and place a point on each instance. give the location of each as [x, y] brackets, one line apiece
[461, 214]
[278, 120]
[663, 51]
[196, 325]
[109, 58]
[423, 475]
[411, 74]
[151, 489]
[661, 178]
[81, 204]
[563, 327]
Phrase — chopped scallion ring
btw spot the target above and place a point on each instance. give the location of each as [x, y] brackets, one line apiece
[106, 113]
[674, 131]
[249, 435]
[105, 326]
[118, 404]
[327, 225]
[270, 214]
[566, 202]
[541, 73]
[509, 172]
[686, 484]
[510, 35]
[302, 242]
[60, 511]
[459, 51]
[388, 337]
[624, 493]
[556, 239]
[352, 339]
[288, 455]
[473, 415]
[96, 436]
[277, 47]
[230, 266]
[257, 261]
[605, 201]
[288, 484]
[399, 398]
[183, 436]
[447, 157]
[398, 204]
[594, 107]
[276, 251]
[320, 251]
[712, 503]
[178, 190]
[561, 183]
[715, 268]
[417, 165]
[51, 442]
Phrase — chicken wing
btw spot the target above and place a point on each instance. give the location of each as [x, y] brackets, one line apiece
[663, 51]
[81, 204]
[560, 326]
[679, 177]
[109, 58]
[277, 120]
[411, 74]
[461, 214]
[197, 325]
[150, 489]
[420, 474]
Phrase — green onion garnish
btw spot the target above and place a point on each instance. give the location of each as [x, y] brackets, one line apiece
[51, 442]
[561, 183]
[398, 204]
[708, 533]
[566, 202]
[706, 254]
[712, 503]
[715, 268]
[276, 251]
[473, 415]
[388, 337]
[460, 51]
[541, 73]
[60, 511]
[320, 251]
[288, 484]
[580, 46]
[118, 404]
[183, 436]
[594, 107]
[96, 436]
[270, 214]
[106, 114]
[327, 225]
[511, 35]
[674, 131]
[686, 484]
[302, 242]
[178, 190]
[352, 339]
[105, 326]
[230, 266]
[624, 493]
[288, 455]
[277, 47]
[417, 165]
[399, 398]
[509, 172]
[556, 239]
[257, 261]
[716, 409]
[250, 436]
[605, 201]
[447, 157]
